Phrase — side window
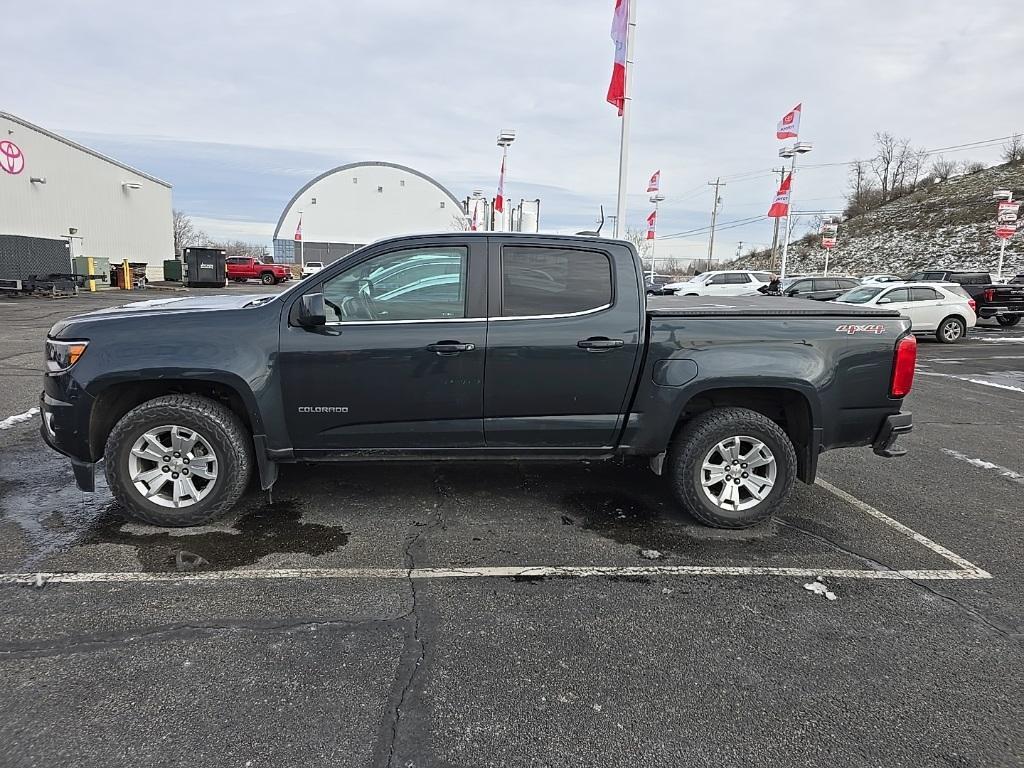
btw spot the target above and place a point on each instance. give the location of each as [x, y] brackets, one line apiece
[412, 284]
[718, 280]
[932, 276]
[763, 277]
[553, 281]
[801, 286]
[737, 278]
[826, 284]
[896, 294]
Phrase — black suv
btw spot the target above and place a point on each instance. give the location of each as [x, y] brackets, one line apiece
[818, 288]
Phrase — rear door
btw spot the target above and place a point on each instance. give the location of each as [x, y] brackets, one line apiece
[928, 307]
[563, 339]
[899, 299]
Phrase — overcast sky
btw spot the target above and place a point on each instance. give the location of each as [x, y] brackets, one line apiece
[240, 103]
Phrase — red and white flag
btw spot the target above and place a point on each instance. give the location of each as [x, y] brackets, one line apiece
[789, 125]
[620, 26]
[655, 182]
[780, 205]
[499, 201]
[652, 224]
[298, 229]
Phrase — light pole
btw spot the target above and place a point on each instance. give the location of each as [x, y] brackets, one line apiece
[656, 198]
[800, 148]
[505, 139]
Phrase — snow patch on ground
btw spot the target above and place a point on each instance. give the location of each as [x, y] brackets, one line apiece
[10, 421]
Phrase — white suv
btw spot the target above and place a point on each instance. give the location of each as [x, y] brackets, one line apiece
[722, 283]
[310, 268]
[945, 309]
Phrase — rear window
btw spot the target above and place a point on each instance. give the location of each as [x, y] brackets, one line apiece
[553, 281]
[958, 291]
[971, 278]
[763, 277]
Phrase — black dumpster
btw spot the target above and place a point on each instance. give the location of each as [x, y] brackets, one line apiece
[204, 267]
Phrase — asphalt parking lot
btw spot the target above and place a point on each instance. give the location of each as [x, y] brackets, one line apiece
[504, 614]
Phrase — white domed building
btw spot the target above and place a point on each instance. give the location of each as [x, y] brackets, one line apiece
[352, 205]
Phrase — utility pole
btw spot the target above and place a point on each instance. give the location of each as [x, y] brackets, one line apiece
[775, 234]
[714, 217]
[739, 248]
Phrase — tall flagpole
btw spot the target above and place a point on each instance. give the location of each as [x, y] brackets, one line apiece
[620, 207]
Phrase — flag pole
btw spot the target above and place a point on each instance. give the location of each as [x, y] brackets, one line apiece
[789, 211]
[620, 207]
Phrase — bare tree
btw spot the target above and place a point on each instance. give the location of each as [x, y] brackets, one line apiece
[460, 222]
[638, 237]
[863, 193]
[972, 166]
[184, 233]
[942, 168]
[896, 165]
[1013, 150]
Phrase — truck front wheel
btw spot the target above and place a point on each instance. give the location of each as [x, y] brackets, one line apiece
[178, 460]
[732, 467]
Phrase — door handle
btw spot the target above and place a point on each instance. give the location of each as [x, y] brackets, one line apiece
[450, 347]
[599, 344]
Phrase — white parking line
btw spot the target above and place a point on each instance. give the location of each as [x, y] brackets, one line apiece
[10, 421]
[966, 569]
[1009, 474]
[972, 380]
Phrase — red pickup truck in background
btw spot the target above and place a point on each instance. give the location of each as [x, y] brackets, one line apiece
[241, 269]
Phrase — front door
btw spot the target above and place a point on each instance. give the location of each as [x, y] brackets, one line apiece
[399, 364]
[563, 341]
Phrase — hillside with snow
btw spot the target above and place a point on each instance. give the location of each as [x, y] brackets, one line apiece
[947, 224]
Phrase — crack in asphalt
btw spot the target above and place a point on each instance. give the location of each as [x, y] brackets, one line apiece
[411, 668]
[1003, 630]
[182, 631]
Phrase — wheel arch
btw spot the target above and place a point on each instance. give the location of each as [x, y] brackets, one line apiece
[116, 398]
[795, 408]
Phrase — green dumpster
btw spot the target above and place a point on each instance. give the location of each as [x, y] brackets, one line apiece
[172, 270]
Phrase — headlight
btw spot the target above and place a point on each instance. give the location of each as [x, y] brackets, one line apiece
[61, 355]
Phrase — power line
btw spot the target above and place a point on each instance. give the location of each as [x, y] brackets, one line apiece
[725, 225]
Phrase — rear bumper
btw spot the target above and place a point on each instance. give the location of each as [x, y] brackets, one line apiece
[1001, 310]
[893, 426]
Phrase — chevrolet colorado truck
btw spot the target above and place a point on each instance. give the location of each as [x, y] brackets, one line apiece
[472, 346]
[242, 268]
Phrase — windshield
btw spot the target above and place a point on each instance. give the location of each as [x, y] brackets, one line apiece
[859, 295]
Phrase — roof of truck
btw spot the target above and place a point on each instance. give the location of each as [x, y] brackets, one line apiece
[725, 306]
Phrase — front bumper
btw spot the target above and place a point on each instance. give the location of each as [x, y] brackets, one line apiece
[64, 426]
[893, 426]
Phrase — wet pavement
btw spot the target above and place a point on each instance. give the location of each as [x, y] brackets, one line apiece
[623, 669]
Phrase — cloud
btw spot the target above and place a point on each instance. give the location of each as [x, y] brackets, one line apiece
[238, 103]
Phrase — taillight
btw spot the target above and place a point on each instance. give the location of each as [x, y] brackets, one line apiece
[973, 305]
[990, 294]
[903, 367]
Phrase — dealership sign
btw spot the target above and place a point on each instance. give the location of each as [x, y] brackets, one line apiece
[1006, 219]
[829, 235]
[12, 159]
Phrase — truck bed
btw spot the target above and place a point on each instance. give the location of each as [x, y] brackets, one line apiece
[755, 306]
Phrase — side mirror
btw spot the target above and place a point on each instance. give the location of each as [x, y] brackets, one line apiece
[884, 300]
[311, 310]
[792, 292]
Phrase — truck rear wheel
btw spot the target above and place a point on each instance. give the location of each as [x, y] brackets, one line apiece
[178, 460]
[1007, 321]
[732, 467]
[267, 278]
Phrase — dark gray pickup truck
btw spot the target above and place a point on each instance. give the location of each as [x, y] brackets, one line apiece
[472, 346]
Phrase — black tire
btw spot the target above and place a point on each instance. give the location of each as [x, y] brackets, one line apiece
[1007, 321]
[951, 330]
[700, 436]
[219, 427]
[267, 278]
[238, 279]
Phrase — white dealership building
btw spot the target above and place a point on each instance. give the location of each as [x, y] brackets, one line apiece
[59, 199]
[352, 205]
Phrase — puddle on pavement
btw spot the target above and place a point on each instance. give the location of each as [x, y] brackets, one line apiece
[268, 529]
[648, 524]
